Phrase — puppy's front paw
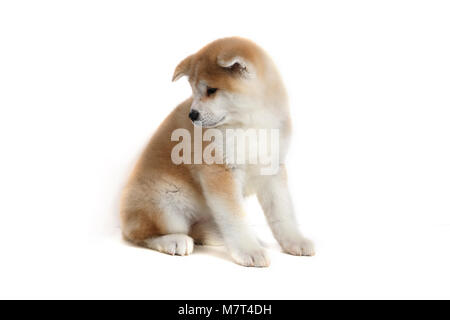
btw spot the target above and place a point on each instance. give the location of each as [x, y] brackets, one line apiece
[251, 258]
[299, 247]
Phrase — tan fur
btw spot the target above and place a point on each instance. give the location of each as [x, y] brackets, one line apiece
[137, 209]
[163, 203]
[155, 164]
[155, 161]
[203, 65]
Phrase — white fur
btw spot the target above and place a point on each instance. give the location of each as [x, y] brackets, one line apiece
[262, 105]
[239, 240]
[213, 111]
[246, 67]
[252, 110]
[230, 62]
[173, 244]
[274, 197]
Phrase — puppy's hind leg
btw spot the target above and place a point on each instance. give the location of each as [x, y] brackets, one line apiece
[173, 244]
[158, 231]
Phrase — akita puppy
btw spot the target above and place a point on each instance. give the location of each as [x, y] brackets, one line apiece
[168, 206]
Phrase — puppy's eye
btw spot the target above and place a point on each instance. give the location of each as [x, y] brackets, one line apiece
[210, 91]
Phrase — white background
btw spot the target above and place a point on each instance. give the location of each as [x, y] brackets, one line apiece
[84, 84]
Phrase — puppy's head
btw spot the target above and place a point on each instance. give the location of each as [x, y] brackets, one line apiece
[226, 80]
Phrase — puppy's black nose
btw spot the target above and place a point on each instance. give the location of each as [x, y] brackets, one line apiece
[194, 114]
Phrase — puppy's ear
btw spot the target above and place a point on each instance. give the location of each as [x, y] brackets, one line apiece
[182, 69]
[236, 64]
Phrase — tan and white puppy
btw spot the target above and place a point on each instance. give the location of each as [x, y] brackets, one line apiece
[167, 206]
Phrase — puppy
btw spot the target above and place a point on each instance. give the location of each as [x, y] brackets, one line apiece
[168, 205]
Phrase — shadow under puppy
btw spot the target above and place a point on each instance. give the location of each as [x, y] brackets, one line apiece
[168, 206]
